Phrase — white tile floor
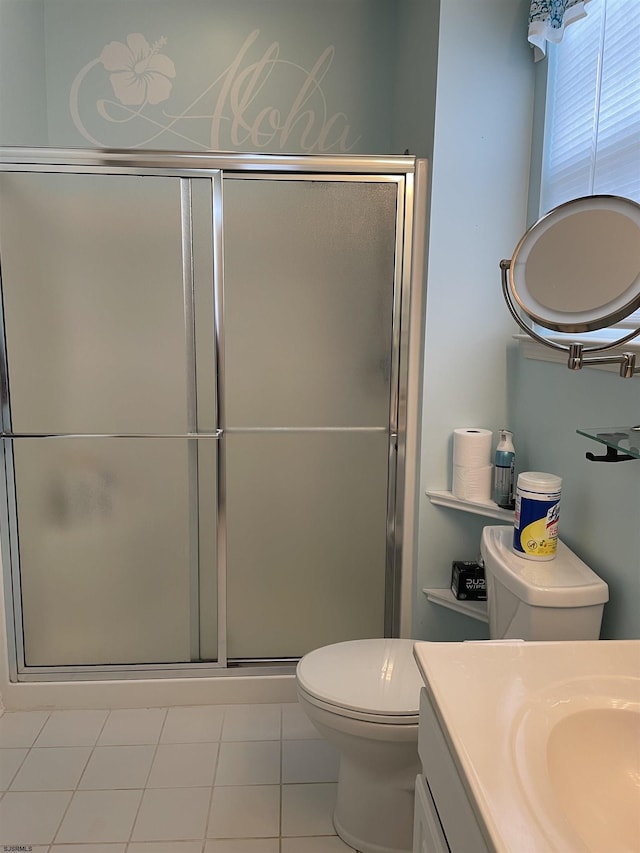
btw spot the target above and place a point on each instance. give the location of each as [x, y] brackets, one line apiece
[202, 779]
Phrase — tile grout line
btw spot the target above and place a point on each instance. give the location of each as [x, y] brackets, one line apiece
[68, 806]
[26, 755]
[17, 770]
[213, 782]
[281, 778]
[144, 787]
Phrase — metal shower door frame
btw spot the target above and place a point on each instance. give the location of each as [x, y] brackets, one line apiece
[187, 167]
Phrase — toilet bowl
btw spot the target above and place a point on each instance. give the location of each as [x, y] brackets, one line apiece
[363, 697]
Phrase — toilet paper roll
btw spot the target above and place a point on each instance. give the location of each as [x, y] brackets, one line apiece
[472, 484]
[472, 447]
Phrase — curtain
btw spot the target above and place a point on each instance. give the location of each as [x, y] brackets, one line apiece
[547, 20]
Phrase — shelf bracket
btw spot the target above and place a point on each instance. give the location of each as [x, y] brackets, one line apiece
[612, 455]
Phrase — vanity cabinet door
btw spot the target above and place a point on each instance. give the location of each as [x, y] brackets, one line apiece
[427, 832]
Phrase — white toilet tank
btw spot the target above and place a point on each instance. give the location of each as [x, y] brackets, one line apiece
[561, 599]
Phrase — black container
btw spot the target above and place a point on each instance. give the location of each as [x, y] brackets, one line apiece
[467, 581]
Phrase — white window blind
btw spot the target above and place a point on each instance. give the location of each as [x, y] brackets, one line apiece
[592, 121]
[592, 125]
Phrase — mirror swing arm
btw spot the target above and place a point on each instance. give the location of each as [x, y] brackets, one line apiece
[575, 351]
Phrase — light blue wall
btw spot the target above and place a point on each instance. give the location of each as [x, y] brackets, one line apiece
[307, 76]
[600, 507]
[475, 375]
[416, 66]
[23, 112]
[483, 115]
[600, 510]
[452, 79]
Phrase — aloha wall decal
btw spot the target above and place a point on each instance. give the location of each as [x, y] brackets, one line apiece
[259, 101]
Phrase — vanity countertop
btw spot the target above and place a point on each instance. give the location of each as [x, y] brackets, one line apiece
[500, 704]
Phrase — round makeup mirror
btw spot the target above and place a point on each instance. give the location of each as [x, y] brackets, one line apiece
[577, 270]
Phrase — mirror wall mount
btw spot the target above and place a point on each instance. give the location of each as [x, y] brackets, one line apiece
[576, 351]
[578, 270]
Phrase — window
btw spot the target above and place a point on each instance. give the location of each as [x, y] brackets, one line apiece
[592, 123]
[592, 120]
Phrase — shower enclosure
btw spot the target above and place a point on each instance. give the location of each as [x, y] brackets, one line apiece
[205, 374]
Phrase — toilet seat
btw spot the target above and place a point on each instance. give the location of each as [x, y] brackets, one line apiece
[362, 716]
[370, 680]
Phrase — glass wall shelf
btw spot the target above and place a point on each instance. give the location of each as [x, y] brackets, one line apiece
[621, 442]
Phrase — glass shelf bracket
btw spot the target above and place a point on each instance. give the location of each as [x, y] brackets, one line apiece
[622, 443]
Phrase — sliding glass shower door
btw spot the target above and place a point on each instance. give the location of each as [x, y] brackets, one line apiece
[309, 303]
[202, 396]
[101, 376]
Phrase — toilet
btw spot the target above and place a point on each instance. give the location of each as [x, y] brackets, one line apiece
[363, 695]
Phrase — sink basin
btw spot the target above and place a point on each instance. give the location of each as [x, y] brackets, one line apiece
[577, 748]
[593, 760]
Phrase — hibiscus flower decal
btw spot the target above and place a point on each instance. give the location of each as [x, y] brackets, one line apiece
[139, 72]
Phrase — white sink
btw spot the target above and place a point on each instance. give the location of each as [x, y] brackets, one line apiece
[545, 738]
[577, 752]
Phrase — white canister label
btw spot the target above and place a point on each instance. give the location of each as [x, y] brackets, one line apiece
[535, 534]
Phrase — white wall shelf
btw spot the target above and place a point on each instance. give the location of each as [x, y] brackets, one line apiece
[445, 598]
[489, 509]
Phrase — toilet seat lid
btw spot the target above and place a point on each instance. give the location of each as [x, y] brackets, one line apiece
[373, 676]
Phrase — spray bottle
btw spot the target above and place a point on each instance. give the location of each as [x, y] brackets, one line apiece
[503, 491]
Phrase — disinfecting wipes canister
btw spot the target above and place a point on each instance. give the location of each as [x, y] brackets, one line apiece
[535, 533]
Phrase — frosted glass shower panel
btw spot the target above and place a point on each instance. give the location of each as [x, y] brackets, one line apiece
[93, 300]
[309, 288]
[106, 559]
[203, 383]
[306, 521]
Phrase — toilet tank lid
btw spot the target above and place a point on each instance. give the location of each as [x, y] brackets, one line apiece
[378, 675]
[565, 581]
